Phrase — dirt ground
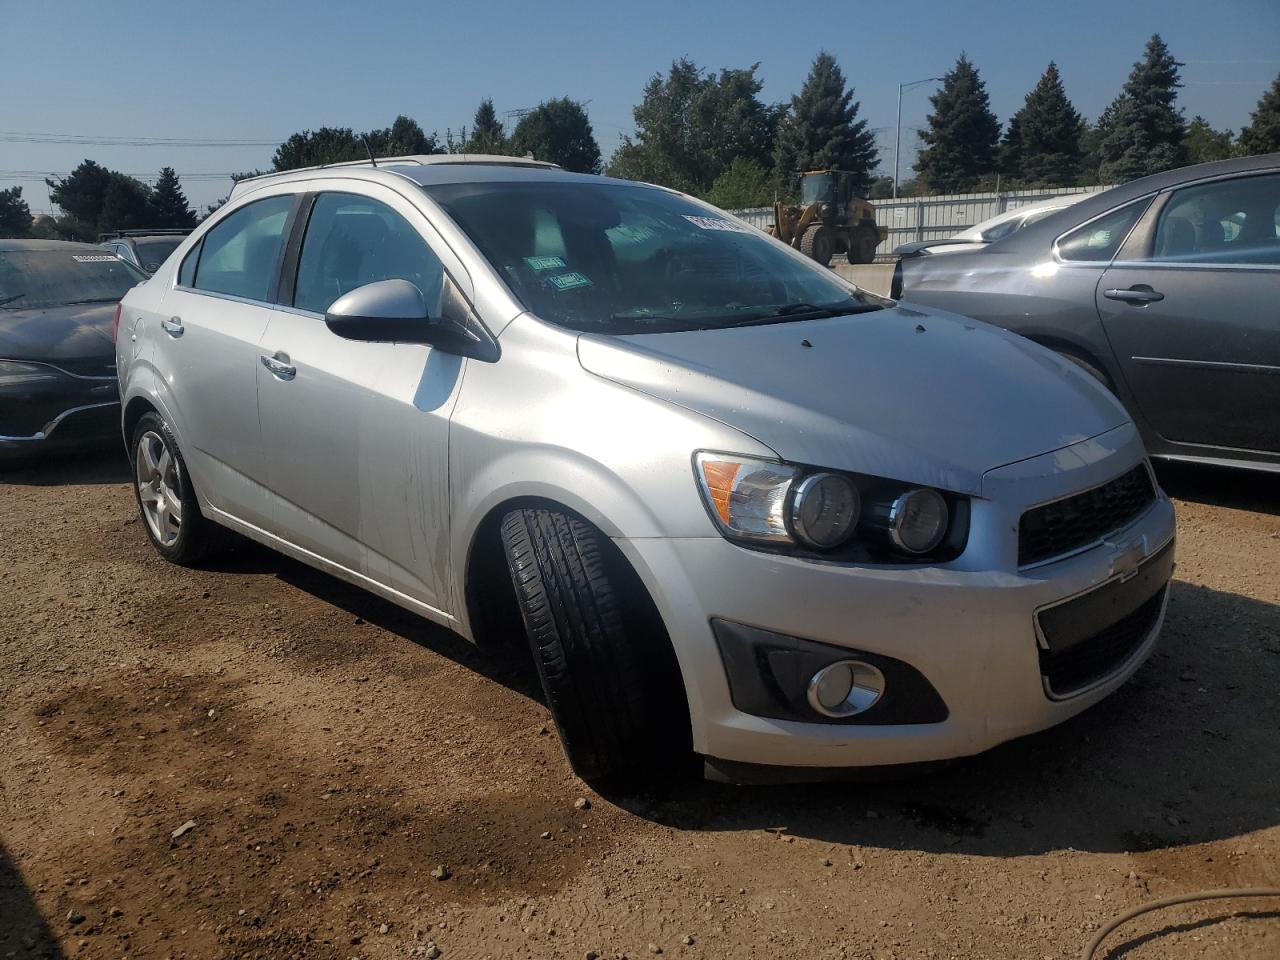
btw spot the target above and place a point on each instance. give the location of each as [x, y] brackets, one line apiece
[255, 760]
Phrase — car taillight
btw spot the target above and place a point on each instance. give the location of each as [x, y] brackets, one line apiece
[115, 324]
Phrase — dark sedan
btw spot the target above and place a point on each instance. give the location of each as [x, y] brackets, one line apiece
[57, 356]
[1166, 289]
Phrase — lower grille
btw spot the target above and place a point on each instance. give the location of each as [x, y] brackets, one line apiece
[1076, 667]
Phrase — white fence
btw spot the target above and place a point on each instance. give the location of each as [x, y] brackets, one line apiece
[937, 217]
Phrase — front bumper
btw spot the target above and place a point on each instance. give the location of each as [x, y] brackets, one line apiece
[58, 410]
[969, 626]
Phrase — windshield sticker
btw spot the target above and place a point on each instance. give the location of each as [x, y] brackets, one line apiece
[96, 258]
[717, 223]
[568, 281]
[541, 264]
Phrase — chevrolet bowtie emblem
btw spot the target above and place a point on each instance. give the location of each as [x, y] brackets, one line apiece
[1127, 557]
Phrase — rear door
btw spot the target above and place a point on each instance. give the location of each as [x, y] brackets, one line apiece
[213, 321]
[357, 434]
[1191, 307]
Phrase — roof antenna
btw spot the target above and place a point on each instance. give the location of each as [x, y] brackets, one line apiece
[367, 149]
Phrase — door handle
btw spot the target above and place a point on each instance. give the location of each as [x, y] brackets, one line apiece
[1139, 293]
[279, 366]
[173, 327]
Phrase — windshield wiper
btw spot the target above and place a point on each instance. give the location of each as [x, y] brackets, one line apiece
[804, 311]
[11, 299]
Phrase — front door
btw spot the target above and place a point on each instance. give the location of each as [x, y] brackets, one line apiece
[357, 434]
[1194, 318]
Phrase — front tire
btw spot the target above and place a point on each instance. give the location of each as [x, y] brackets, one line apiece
[607, 668]
[166, 501]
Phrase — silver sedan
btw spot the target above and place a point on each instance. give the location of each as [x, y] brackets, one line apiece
[740, 509]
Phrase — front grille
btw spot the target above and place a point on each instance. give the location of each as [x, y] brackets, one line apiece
[1073, 669]
[1064, 525]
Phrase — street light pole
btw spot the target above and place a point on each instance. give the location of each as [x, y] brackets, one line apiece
[897, 137]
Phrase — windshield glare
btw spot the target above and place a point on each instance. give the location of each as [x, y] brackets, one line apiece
[50, 278]
[623, 258]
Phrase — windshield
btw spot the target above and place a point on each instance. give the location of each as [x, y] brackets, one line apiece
[152, 253]
[626, 258]
[51, 278]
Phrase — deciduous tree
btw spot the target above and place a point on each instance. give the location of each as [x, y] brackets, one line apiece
[691, 125]
[558, 131]
[744, 184]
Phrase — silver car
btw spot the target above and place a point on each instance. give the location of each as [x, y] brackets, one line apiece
[740, 509]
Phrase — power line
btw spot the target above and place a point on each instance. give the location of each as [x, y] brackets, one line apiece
[18, 136]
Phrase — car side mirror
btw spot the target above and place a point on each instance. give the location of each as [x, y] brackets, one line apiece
[395, 311]
[387, 310]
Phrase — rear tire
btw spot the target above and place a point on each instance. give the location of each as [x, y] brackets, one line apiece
[606, 666]
[863, 241]
[166, 501]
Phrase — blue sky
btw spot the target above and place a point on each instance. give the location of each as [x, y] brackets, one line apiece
[257, 71]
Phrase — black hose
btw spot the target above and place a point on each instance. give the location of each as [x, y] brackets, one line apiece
[1230, 894]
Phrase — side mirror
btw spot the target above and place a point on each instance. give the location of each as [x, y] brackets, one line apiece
[395, 311]
[388, 310]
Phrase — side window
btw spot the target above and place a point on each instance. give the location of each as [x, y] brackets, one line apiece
[187, 272]
[353, 240]
[1228, 221]
[1098, 240]
[242, 253]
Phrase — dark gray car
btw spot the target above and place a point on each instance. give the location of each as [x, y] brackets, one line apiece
[1167, 289]
[57, 354]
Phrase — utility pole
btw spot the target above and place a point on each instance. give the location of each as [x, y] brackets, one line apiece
[897, 137]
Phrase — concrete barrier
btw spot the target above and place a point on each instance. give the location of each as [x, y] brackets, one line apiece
[872, 277]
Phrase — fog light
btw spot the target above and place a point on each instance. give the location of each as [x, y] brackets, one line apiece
[845, 688]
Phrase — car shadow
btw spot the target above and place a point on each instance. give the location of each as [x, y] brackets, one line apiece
[510, 665]
[1254, 490]
[1159, 764]
[1129, 947]
[23, 931]
[99, 464]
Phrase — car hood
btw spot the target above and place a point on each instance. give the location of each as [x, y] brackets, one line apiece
[919, 396]
[68, 333]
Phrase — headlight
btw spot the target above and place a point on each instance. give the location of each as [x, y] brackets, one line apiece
[916, 521]
[844, 516]
[824, 510]
[747, 498]
[17, 374]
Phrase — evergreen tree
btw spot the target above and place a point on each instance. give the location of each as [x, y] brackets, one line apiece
[558, 131]
[821, 130]
[487, 135]
[1262, 135]
[691, 126]
[1203, 143]
[169, 207]
[1145, 130]
[960, 142]
[1042, 144]
[15, 215]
